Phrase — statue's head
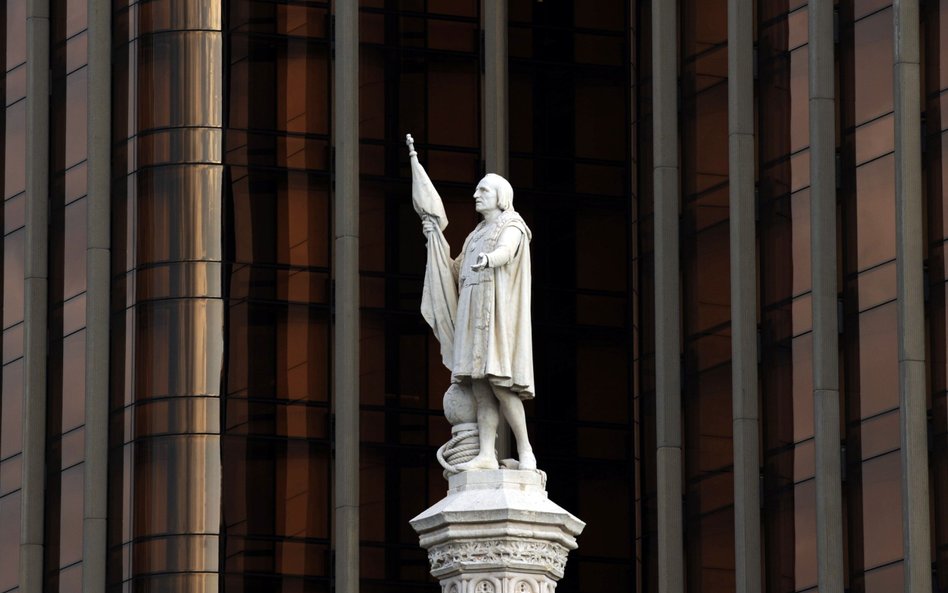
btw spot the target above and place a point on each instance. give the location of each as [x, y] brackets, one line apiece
[493, 192]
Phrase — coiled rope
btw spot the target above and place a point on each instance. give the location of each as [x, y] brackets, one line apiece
[462, 447]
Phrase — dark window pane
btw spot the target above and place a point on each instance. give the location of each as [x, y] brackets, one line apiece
[879, 435]
[14, 213]
[16, 32]
[74, 313]
[10, 474]
[804, 524]
[74, 380]
[77, 50]
[881, 494]
[887, 578]
[10, 415]
[74, 249]
[68, 119]
[800, 258]
[873, 66]
[465, 8]
[875, 212]
[799, 97]
[14, 177]
[70, 579]
[878, 361]
[70, 516]
[16, 84]
[9, 540]
[876, 286]
[75, 182]
[73, 447]
[453, 102]
[875, 139]
[13, 343]
[452, 35]
[802, 387]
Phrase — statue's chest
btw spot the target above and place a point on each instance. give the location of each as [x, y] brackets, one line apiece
[480, 242]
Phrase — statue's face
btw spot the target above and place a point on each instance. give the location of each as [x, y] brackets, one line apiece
[485, 197]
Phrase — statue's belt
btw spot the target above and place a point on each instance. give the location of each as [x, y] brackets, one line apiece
[480, 278]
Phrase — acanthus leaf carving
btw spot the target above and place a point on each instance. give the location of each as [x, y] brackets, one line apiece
[498, 552]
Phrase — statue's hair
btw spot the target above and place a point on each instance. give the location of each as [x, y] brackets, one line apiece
[504, 191]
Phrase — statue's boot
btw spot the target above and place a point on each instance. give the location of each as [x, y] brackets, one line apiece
[479, 462]
[528, 461]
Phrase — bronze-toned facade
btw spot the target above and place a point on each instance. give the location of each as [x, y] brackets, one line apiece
[223, 440]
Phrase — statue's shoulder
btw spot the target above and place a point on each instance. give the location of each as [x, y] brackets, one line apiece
[512, 218]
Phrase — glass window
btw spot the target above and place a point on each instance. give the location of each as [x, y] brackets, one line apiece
[74, 249]
[74, 313]
[77, 51]
[10, 474]
[74, 380]
[804, 534]
[70, 516]
[13, 277]
[875, 212]
[881, 527]
[799, 96]
[75, 183]
[12, 406]
[14, 176]
[876, 286]
[873, 66]
[800, 258]
[70, 579]
[879, 435]
[886, 578]
[9, 540]
[878, 386]
[16, 32]
[14, 213]
[75, 107]
[16, 84]
[875, 139]
[13, 343]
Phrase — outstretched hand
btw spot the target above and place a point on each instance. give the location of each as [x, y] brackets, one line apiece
[481, 262]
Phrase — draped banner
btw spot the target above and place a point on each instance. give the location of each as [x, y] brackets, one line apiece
[439, 299]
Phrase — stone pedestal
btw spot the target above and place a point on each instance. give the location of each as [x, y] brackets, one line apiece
[497, 532]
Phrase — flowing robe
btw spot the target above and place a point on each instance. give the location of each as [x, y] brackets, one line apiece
[493, 334]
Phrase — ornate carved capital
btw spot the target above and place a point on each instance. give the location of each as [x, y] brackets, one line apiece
[544, 556]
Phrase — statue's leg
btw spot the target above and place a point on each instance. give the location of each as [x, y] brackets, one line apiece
[486, 427]
[512, 408]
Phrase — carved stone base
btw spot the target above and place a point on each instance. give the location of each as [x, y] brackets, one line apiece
[497, 532]
[498, 582]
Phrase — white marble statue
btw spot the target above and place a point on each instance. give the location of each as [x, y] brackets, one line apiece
[478, 305]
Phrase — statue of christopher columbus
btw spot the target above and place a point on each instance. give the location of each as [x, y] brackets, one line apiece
[478, 305]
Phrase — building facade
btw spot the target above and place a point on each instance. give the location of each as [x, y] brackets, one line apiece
[215, 373]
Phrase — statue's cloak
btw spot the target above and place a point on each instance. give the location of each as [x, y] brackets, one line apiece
[493, 335]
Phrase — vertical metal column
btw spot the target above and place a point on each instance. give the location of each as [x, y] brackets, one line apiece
[495, 86]
[346, 297]
[829, 521]
[740, 78]
[667, 296]
[173, 295]
[911, 307]
[98, 290]
[36, 280]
